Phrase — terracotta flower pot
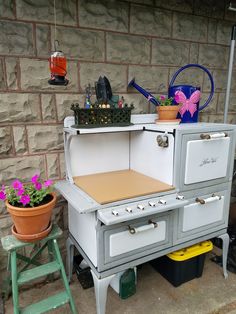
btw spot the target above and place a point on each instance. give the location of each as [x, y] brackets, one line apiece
[167, 112]
[32, 220]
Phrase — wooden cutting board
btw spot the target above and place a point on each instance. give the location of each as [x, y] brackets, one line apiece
[114, 186]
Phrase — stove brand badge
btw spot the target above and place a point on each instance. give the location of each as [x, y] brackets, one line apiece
[206, 161]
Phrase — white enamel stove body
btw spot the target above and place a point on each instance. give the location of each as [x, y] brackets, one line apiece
[198, 162]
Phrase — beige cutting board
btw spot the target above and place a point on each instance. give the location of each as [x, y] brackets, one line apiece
[114, 186]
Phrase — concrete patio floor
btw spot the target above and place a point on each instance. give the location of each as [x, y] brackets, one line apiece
[210, 294]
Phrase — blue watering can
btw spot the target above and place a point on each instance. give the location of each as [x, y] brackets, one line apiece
[186, 95]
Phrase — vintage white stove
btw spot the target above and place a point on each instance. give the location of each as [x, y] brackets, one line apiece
[139, 192]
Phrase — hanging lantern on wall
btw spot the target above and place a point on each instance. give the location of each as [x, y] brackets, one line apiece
[57, 60]
[57, 65]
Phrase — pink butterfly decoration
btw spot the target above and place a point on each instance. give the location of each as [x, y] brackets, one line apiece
[187, 104]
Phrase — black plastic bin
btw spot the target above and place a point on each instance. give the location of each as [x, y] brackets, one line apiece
[183, 265]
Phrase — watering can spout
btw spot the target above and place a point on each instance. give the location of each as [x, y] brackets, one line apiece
[148, 95]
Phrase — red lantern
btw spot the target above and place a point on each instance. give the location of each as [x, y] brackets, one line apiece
[57, 64]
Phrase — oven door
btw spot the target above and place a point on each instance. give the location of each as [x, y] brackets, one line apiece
[206, 159]
[134, 239]
[205, 214]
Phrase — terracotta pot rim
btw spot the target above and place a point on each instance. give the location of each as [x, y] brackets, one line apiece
[33, 211]
[172, 107]
[29, 208]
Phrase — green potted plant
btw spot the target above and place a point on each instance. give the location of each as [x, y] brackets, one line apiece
[166, 109]
[30, 206]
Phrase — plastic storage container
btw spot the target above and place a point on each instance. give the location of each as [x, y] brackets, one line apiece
[183, 265]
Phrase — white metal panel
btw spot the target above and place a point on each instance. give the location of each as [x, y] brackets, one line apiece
[96, 153]
[206, 160]
[83, 229]
[148, 158]
[197, 215]
[123, 242]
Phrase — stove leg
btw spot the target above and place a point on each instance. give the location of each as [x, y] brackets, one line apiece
[69, 258]
[100, 286]
[225, 239]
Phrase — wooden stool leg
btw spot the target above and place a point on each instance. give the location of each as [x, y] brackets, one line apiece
[14, 283]
[51, 257]
[63, 273]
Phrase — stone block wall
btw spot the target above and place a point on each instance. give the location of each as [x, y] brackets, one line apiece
[148, 39]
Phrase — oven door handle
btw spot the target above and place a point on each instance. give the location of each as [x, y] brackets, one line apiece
[213, 198]
[151, 225]
[206, 136]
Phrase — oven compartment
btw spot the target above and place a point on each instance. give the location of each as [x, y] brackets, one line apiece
[134, 239]
[206, 159]
[204, 214]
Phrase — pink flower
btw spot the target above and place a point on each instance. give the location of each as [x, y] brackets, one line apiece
[3, 187]
[17, 185]
[20, 192]
[25, 199]
[34, 179]
[2, 196]
[162, 97]
[48, 183]
[38, 186]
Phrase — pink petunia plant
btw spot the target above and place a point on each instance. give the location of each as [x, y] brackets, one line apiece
[27, 195]
[165, 101]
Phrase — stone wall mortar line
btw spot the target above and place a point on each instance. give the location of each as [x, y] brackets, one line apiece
[60, 173]
[34, 38]
[3, 62]
[42, 153]
[77, 12]
[129, 16]
[150, 54]
[26, 140]
[55, 103]
[58, 166]
[172, 25]
[79, 79]
[18, 75]
[12, 141]
[46, 165]
[105, 47]
[40, 108]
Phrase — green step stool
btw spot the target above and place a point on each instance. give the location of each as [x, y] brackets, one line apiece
[11, 245]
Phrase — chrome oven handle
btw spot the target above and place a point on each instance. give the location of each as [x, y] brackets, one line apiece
[206, 136]
[151, 225]
[213, 198]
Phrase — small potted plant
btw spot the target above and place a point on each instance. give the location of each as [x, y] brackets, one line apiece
[30, 206]
[167, 109]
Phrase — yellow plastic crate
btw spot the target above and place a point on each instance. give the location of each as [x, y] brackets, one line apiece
[191, 251]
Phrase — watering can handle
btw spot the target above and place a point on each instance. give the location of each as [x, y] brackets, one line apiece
[205, 70]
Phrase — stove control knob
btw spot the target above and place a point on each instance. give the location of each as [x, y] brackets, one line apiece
[161, 201]
[179, 197]
[152, 204]
[129, 210]
[115, 213]
[140, 206]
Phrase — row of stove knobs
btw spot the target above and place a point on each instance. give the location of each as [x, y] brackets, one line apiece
[150, 203]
